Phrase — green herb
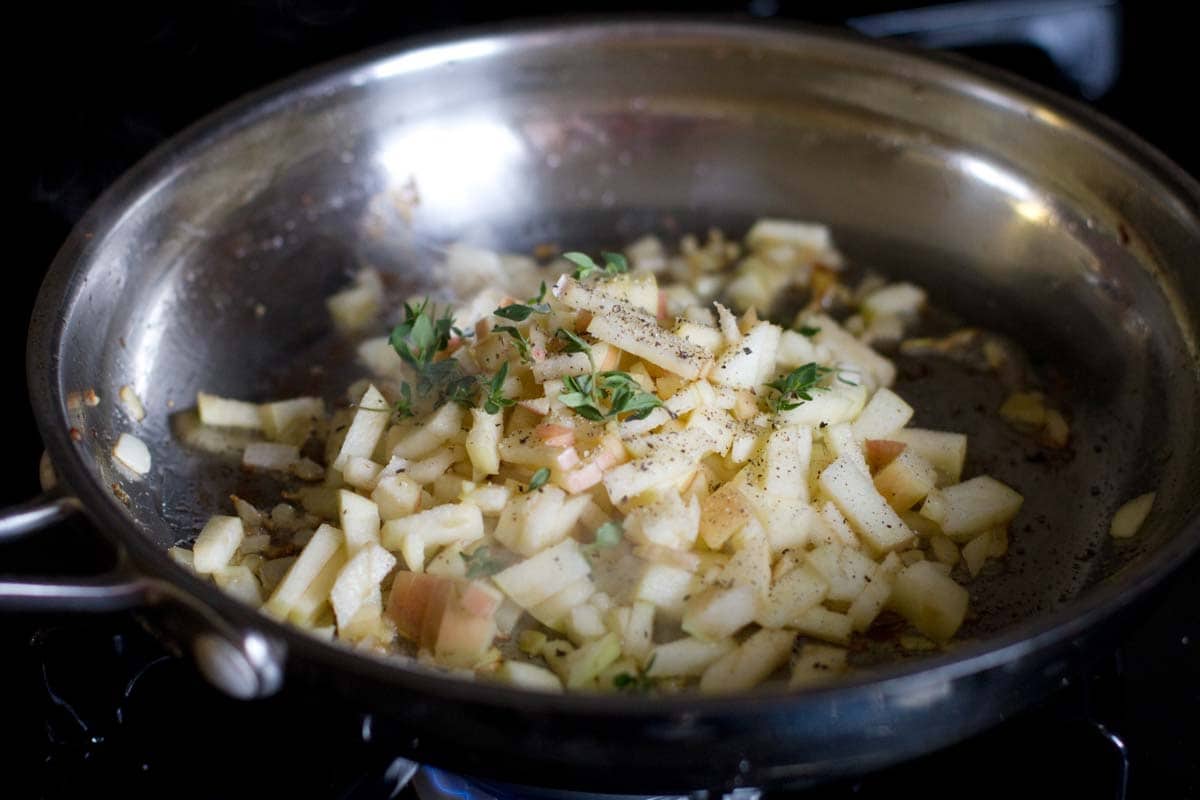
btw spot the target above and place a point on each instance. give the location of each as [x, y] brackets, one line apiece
[418, 340]
[539, 479]
[403, 407]
[581, 396]
[624, 395]
[519, 312]
[519, 341]
[809, 331]
[574, 344]
[608, 535]
[798, 385]
[628, 397]
[614, 264]
[480, 564]
[640, 682]
[495, 399]
[541, 295]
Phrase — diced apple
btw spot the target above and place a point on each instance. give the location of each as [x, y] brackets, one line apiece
[796, 591]
[944, 549]
[291, 421]
[767, 233]
[409, 599]
[975, 552]
[751, 562]
[634, 330]
[355, 307]
[359, 519]
[366, 427]
[435, 429]
[537, 578]
[821, 623]
[884, 414]
[583, 665]
[664, 587]
[660, 468]
[718, 613]
[866, 511]
[448, 563]
[971, 507]
[841, 403]
[750, 664]
[687, 657]
[552, 611]
[930, 600]
[881, 452]
[699, 334]
[225, 413]
[314, 600]
[217, 543]
[906, 480]
[845, 570]
[239, 582]
[639, 289]
[840, 441]
[325, 543]
[845, 347]
[462, 637]
[637, 637]
[358, 579]
[870, 602]
[749, 363]
[817, 664]
[667, 522]
[786, 456]
[584, 623]
[396, 496]
[441, 525]
[483, 441]
[722, 514]
[538, 519]
[528, 676]
[945, 451]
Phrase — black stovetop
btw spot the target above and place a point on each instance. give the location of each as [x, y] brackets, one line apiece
[97, 706]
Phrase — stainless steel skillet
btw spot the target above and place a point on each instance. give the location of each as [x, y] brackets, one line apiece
[1021, 211]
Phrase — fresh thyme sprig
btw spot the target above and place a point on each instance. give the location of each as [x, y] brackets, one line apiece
[495, 399]
[624, 395]
[522, 344]
[614, 264]
[481, 563]
[539, 479]
[418, 340]
[403, 407]
[638, 683]
[797, 386]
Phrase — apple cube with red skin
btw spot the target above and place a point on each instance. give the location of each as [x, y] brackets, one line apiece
[454, 619]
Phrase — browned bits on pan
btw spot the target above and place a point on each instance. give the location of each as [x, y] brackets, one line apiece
[545, 251]
[120, 493]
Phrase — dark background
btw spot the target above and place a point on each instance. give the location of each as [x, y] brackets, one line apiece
[106, 82]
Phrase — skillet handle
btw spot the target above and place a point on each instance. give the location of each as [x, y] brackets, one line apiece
[114, 591]
[243, 664]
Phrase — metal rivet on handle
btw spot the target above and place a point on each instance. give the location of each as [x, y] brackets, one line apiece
[226, 666]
